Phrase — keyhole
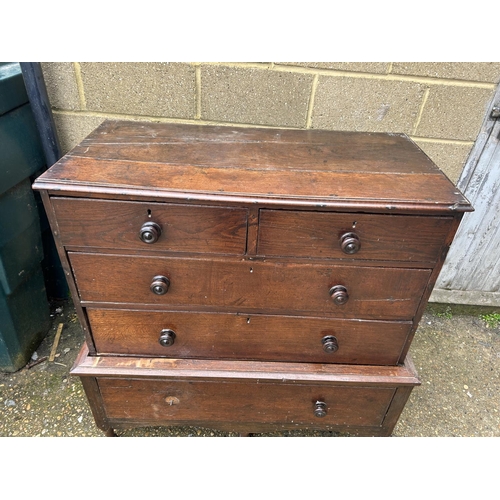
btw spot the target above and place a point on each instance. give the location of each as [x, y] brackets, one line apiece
[149, 213]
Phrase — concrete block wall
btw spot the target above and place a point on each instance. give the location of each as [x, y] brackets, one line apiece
[441, 106]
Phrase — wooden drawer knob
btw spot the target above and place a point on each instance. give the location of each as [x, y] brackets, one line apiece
[320, 409]
[150, 232]
[159, 285]
[330, 344]
[339, 294]
[349, 243]
[167, 338]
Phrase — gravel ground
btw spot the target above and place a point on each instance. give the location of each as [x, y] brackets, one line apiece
[456, 353]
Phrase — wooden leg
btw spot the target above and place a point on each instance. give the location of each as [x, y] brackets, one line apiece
[110, 433]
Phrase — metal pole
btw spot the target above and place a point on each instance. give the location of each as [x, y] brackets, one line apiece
[39, 100]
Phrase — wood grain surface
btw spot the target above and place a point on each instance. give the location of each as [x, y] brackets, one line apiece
[157, 402]
[246, 286]
[255, 371]
[375, 171]
[250, 336]
[382, 237]
[184, 228]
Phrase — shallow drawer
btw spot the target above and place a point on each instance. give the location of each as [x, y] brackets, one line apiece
[182, 228]
[239, 285]
[359, 236]
[234, 336]
[158, 401]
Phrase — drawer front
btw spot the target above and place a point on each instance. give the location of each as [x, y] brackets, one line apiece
[162, 402]
[323, 235]
[251, 337]
[183, 228]
[239, 285]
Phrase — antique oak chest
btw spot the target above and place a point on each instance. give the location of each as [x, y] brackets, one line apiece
[248, 279]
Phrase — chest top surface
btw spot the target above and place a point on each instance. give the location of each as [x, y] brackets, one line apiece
[313, 168]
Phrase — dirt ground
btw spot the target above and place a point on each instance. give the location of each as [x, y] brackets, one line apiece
[456, 353]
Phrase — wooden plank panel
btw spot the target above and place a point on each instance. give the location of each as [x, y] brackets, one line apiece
[387, 191]
[259, 155]
[229, 145]
[309, 165]
[473, 259]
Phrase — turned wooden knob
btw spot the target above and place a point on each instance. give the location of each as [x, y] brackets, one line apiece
[159, 285]
[320, 409]
[339, 294]
[330, 343]
[167, 338]
[349, 243]
[150, 232]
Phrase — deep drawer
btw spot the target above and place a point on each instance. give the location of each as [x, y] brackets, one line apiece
[183, 228]
[236, 336]
[246, 286]
[373, 237]
[129, 391]
[159, 401]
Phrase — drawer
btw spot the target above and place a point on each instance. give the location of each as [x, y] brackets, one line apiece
[251, 337]
[185, 401]
[129, 392]
[183, 228]
[260, 286]
[369, 236]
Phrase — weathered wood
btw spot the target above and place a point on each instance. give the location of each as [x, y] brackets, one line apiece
[49, 210]
[371, 170]
[249, 279]
[247, 336]
[94, 397]
[315, 188]
[187, 400]
[473, 263]
[184, 228]
[53, 351]
[256, 371]
[239, 286]
[257, 397]
[254, 147]
[382, 237]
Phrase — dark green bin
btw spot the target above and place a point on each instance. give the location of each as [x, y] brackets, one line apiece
[24, 307]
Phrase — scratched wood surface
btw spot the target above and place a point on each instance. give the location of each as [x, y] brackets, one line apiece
[184, 228]
[237, 285]
[382, 237]
[247, 336]
[242, 402]
[186, 161]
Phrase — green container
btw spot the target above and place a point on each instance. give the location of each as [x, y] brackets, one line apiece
[12, 89]
[24, 308]
[21, 154]
[21, 250]
[24, 321]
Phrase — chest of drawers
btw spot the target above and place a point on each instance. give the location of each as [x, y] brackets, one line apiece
[248, 279]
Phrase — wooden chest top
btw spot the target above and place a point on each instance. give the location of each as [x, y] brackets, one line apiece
[365, 172]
